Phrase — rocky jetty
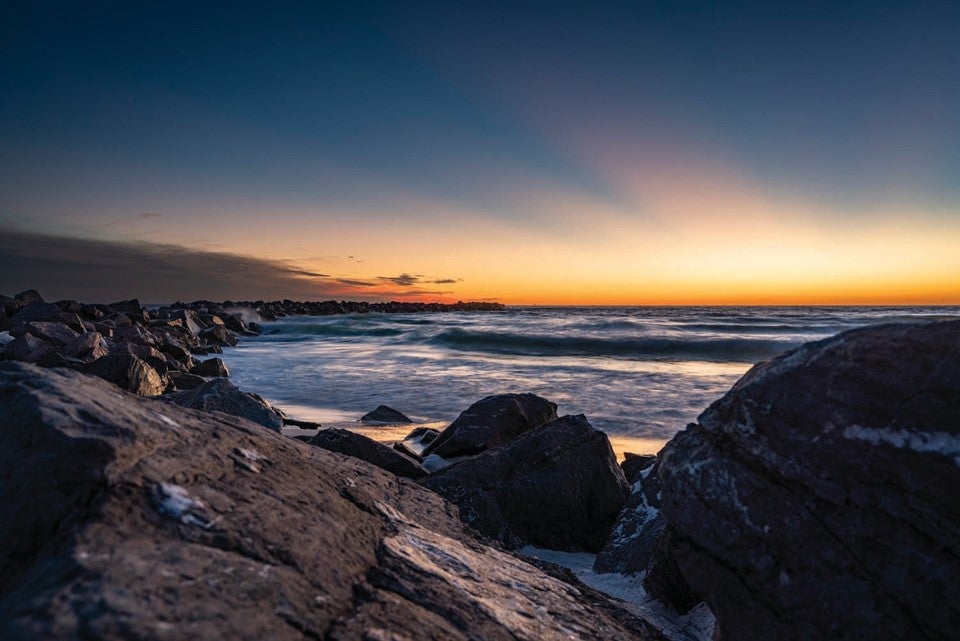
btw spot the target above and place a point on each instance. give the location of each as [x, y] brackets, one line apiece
[125, 517]
[557, 486]
[820, 497]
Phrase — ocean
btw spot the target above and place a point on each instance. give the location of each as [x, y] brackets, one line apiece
[640, 374]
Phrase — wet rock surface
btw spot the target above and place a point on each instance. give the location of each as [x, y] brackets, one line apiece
[557, 486]
[491, 422]
[220, 395]
[361, 447]
[819, 497]
[125, 517]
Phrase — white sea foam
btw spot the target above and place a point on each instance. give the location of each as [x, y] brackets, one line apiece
[696, 625]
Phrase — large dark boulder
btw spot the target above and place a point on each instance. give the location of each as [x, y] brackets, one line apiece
[385, 414]
[491, 422]
[220, 395]
[820, 497]
[362, 447]
[557, 486]
[125, 518]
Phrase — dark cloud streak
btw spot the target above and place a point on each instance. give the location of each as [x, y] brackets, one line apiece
[100, 271]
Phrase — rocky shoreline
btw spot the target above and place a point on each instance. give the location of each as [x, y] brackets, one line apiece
[146, 497]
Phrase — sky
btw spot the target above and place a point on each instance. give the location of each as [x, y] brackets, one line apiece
[624, 153]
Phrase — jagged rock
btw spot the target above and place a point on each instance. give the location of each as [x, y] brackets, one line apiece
[220, 395]
[129, 372]
[361, 447]
[634, 464]
[634, 537]
[491, 422]
[131, 308]
[148, 521]
[29, 296]
[384, 414]
[88, 347]
[36, 312]
[184, 381]
[211, 367]
[219, 335]
[27, 348]
[56, 334]
[414, 443]
[819, 497]
[557, 486]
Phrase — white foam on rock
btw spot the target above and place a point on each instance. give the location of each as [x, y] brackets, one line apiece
[918, 441]
[434, 462]
[696, 625]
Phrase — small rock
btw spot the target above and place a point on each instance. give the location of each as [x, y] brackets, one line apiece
[384, 414]
[211, 367]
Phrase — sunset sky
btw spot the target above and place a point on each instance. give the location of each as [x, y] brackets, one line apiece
[531, 153]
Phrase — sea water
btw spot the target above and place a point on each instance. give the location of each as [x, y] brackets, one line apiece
[638, 373]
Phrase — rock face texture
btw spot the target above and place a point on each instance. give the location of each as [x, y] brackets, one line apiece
[634, 537]
[820, 498]
[361, 447]
[128, 518]
[220, 395]
[557, 486]
[491, 422]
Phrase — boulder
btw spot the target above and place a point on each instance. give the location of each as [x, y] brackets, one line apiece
[29, 296]
[819, 497]
[634, 537]
[184, 381]
[35, 312]
[220, 395]
[557, 486]
[129, 372]
[211, 367]
[54, 333]
[634, 464]
[414, 443]
[130, 307]
[219, 335]
[384, 414]
[27, 348]
[491, 422]
[125, 518]
[88, 347]
[361, 447]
